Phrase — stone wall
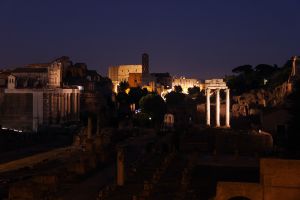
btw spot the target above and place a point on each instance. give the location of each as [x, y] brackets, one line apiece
[135, 80]
[252, 102]
[279, 179]
[55, 75]
[270, 120]
[121, 72]
[1, 97]
[228, 190]
[243, 143]
[16, 111]
[37, 187]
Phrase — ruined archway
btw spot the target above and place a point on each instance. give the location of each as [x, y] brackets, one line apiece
[239, 191]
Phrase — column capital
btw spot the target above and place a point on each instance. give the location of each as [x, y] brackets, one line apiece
[207, 91]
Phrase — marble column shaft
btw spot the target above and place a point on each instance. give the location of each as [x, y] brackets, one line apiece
[217, 108]
[227, 108]
[208, 107]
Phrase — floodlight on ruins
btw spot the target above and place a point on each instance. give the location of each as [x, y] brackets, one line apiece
[216, 85]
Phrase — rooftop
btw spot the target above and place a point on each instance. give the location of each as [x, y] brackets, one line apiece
[30, 70]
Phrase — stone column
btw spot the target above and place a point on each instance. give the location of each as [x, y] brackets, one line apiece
[120, 167]
[57, 108]
[69, 103]
[72, 109]
[78, 105]
[89, 128]
[62, 105]
[208, 107]
[294, 66]
[227, 108]
[218, 108]
[75, 105]
[98, 125]
[52, 109]
[66, 104]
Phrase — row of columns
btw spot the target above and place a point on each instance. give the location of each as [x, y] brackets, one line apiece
[227, 115]
[64, 105]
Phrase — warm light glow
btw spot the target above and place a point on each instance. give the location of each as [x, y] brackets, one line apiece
[80, 88]
[15, 130]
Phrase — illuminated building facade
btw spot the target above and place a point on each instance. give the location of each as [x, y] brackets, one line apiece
[30, 108]
[122, 72]
[186, 83]
[135, 80]
[35, 97]
[45, 75]
[163, 79]
[3, 78]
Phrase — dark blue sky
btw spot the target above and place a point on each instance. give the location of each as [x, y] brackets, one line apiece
[198, 38]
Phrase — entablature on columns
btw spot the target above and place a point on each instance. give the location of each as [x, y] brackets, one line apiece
[217, 85]
[216, 88]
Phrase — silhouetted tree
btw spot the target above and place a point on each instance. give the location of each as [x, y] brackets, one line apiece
[122, 98]
[123, 86]
[265, 70]
[123, 104]
[174, 98]
[194, 91]
[200, 98]
[248, 79]
[243, 69]
[178, 88]
[153, 105]
[135, 94]
[262, 76]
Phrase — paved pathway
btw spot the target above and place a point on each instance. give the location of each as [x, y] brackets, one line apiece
[37, 158]
[89, 188]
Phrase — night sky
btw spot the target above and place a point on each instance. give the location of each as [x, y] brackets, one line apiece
[197, 38]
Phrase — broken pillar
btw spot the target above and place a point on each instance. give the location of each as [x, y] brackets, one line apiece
[120, 167]
[89, 128]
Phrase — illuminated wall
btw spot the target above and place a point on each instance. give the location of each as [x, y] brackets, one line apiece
[186, 83]
[121, 73]
[135, 80]
[16, 111]
[55, 75]
[29, 108]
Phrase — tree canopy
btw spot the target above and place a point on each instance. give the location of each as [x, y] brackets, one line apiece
[194, 91]
[122, 98]
[243, 69]
[153, 105]
[135, 94]
[174, 98]
[123, 86]
[178, 88]
[265, 70]
[261, 76]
